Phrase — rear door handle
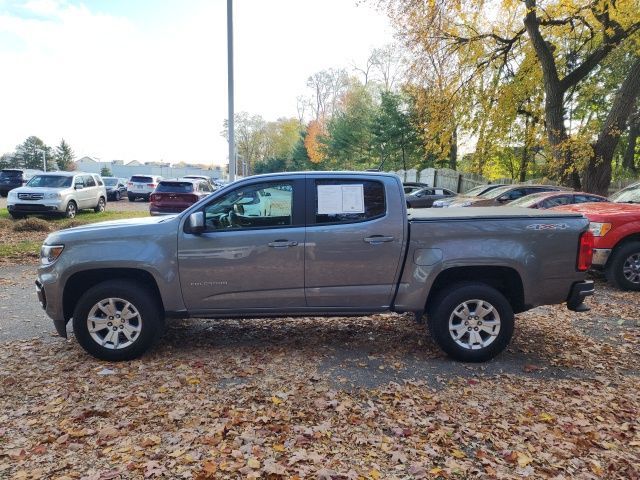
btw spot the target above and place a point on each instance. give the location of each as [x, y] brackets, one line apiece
[282, 243]
[378, 239]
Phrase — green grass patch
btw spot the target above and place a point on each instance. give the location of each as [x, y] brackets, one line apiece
[83, 217]
[27, 248]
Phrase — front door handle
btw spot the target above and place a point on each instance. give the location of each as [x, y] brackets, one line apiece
[282, 243]
[378, 239]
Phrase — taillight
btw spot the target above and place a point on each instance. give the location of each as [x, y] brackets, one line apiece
[585, 251]
[154, 197]
[151, 185]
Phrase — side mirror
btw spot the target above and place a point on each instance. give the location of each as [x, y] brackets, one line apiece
[196, 223]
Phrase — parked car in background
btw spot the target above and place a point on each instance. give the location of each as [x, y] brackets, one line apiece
[424, 197]
[209, 180]
[116, 188]
[142, 186]
[410, 187]
[11, 178]
[474, 192]
[58, 193]
[172, 196]
[544, 200]
[616, 228]
[502, 195]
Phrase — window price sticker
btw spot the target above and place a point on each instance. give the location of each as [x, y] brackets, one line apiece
[335, 199]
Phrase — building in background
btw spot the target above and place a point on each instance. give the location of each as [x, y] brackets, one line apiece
[119, 169]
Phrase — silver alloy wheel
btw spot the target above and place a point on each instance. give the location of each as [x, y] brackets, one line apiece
[474, 324]
[71, 210]
[631, 268]
[114, 323]
[101, 205]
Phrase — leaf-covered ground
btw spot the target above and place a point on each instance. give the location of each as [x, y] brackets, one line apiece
[367, 397]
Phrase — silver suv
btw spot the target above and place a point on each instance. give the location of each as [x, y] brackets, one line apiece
[58, 192]
[142, 186]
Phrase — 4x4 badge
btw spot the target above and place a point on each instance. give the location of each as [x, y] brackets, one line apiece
[547, 226]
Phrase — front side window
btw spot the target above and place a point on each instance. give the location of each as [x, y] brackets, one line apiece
[253, 206]
[348, 201]
[89, 181]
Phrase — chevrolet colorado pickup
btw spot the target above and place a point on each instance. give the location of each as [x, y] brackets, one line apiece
[330, 244]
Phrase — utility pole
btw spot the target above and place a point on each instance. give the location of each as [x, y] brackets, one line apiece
[231, 126]
[44, 160]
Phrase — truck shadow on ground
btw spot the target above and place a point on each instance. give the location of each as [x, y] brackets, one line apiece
[373, 350]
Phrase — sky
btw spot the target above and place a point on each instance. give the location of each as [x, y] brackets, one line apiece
[147, 79]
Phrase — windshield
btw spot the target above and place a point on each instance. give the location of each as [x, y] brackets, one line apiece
[175, 187]
[110, 182]
[141, 179]
[628, 195]
[496, 192]
[10, 174]
[527, 200]
[50, 181]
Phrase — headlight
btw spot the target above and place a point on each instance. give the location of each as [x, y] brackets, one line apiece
[54, 195]
[599, 229]
[12, 195]
[50, 253]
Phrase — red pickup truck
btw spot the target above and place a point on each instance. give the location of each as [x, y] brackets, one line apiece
[616, 228]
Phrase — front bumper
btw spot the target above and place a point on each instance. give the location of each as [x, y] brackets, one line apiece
[51, 300]
[600, 256]
[42, 206]
[579, 292]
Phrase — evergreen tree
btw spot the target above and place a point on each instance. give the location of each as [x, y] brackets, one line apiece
[65, 156]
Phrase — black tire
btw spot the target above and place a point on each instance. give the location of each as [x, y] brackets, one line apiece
[151, 320]
[443, 308]
[132, 198]
[146, 198]
[625, 257]
[118, 196]
[17, 216]
[100, 207]
[4, 194]
[71, 210]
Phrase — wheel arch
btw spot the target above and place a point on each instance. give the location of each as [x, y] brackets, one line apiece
[634, 237]
[504, 279]
[82, 281]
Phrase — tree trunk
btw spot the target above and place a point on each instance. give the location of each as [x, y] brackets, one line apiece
[629, 158]
[453, 151]
[597, 177]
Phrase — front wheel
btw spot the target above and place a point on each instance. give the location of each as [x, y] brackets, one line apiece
[471, 322]
[117, 320]
[99, 208]
[131, 198]
[71, 210]
[624, 267]
[118, 196]
[17, 216]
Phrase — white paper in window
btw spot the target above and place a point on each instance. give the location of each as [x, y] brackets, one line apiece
[336, 199]
[352, 199]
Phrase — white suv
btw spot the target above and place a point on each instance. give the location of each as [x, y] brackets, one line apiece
[58, 192]
[142, 186]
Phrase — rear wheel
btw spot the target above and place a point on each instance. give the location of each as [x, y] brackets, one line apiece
[624, 267]
[99, 208]
[471, 322]
[71, 210]
[131, 198]
[118, 196]
[117, 320]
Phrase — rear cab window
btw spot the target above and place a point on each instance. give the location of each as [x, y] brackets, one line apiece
[337, 201]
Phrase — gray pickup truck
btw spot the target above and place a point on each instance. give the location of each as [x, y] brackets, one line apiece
[304, 244]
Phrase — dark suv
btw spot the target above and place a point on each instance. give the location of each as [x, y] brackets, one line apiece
[11, 178]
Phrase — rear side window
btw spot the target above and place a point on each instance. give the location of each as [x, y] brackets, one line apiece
[99, 180]
[348, 201]
[556, 201]
[141, 179]
[587, 198]
[175, 187]
[89, 181]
